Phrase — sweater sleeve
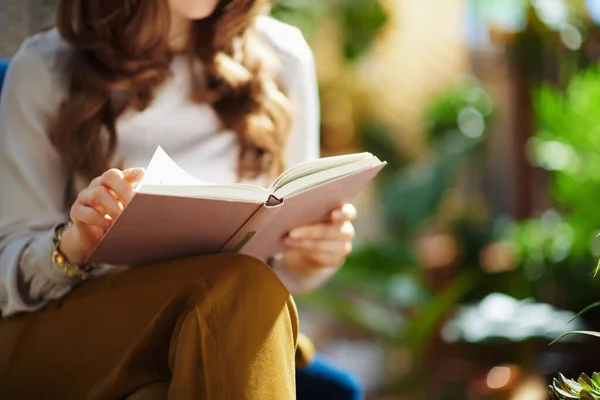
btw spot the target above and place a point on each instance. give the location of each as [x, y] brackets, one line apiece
[299, 79]
[33, 184]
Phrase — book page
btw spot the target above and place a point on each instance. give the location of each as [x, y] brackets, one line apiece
[162, 170]
[308, 181]
[313, 166]
[164, 177]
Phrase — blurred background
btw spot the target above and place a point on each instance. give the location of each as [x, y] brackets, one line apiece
[477, 244]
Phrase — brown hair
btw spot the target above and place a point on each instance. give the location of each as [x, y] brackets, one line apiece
[120, 56]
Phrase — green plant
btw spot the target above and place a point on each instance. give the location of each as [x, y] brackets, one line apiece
[456, 123]
[383, 288]
[467, 107]
[359, 21]
[556, 249]
[567, 145]
[585, 388]
[564, 238]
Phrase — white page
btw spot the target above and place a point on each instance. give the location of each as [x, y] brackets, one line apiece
[164, 177]
[314, 166]
[162, 170]
[309, 181]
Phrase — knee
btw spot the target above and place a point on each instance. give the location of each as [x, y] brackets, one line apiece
[244, 289]
[244, 284]
[246, 275]
[237, 283]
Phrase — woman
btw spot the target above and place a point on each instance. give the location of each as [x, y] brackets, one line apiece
[231, 95]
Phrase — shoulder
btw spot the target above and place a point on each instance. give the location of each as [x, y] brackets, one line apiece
[36, 77]
[292, 50]
[47, 44]
[287, 40]
[41, 55]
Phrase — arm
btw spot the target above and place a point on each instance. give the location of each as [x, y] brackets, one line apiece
[299, 79]
[33, 186]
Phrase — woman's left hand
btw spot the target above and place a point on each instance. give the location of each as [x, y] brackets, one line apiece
[325, 245]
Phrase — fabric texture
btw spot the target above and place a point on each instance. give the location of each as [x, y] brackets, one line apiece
[34, 180]
[174, 322]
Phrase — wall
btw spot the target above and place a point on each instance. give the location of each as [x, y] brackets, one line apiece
[21, 18]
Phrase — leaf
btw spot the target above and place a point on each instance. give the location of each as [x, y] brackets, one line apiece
[585, 395]
[361, 22]
[424, 322]
[571, 384]
[596, 378]
[415, 194]
[376, 139]
[580, 313]
[567, 127]
[585, 382]
[564, 393]
[589, 333]
[375, 318]
[390, 257]
[303, 14]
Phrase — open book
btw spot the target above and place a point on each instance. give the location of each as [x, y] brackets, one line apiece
[174, 214]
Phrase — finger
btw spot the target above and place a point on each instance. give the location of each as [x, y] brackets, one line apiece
[345, 213]
[95, 182]
[115, 181]
[134, 175]
[322, 260]
[88, 215]
[315, 231]
[101, 199]
[114, 195]
[344, 231]
[335, 247]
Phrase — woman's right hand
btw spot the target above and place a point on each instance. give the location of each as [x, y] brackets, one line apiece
[94, 211]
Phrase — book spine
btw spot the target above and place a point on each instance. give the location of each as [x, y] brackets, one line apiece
[258, 220]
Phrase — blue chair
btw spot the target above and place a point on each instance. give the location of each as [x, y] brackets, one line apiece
[322, 380]
[3, 69]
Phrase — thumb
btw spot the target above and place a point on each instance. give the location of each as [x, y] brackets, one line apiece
[134, 175]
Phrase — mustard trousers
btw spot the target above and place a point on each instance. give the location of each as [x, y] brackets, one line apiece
[209, 327]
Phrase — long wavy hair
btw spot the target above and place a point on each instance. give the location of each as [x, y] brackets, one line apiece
[121, 56]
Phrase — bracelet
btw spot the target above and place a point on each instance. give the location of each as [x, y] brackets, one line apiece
[60, 261]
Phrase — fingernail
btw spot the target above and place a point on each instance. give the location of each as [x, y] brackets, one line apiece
[295, 234]
[134, 174]
[131, 171]
[337, 215]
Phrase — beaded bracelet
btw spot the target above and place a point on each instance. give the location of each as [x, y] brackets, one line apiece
[60, 261]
